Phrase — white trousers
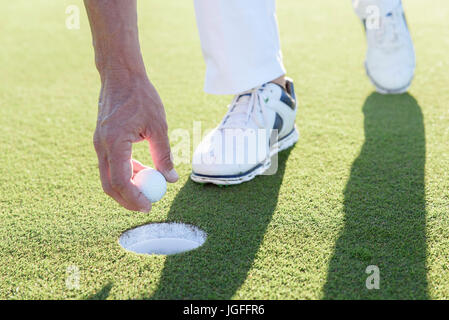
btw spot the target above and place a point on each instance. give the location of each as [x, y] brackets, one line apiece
[240, 41]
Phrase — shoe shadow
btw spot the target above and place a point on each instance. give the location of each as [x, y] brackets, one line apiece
[235, 219]
[384, 207]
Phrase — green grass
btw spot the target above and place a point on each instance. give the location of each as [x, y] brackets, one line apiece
[368, 183]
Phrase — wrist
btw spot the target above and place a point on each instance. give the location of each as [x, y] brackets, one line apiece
[120, 83]
[118, 50]
[120, 63]
[115, 36]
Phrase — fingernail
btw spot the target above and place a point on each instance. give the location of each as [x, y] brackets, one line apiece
[147, 206]
[172, 175]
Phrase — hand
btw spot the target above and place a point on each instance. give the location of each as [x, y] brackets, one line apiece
[130, 110]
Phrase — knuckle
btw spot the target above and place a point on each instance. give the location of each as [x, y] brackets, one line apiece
[109, 138]
[165, 158]
[97, 142]
[117, 184]
[105, 135]
[159, 130]
[163, 127]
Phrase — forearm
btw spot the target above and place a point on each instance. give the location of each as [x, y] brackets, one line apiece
[115, 37]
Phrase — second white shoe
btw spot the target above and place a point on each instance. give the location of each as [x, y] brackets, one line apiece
[390, 59]
[258, 124]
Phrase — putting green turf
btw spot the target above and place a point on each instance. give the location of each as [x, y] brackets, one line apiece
[367, 184]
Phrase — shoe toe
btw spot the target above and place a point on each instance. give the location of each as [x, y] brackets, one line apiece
[391, 80]
[212, 159]
[205, 162]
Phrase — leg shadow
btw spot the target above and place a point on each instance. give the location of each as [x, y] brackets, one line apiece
[384, 206]
[235, 219]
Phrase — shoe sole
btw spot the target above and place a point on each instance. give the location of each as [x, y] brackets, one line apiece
[283, 144]
[382, 90]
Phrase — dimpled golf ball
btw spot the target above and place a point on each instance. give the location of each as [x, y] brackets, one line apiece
[151, 183]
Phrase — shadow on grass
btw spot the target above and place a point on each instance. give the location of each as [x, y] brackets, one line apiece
[235, 219]
[384, 206]
[102, 294]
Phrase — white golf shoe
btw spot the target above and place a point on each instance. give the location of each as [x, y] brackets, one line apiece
[390, 59]
[259, 124]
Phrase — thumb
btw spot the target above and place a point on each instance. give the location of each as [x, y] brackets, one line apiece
[162, 157]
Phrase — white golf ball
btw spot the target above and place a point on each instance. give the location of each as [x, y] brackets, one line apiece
[151, 183]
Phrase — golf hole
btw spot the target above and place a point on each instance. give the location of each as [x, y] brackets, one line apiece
[162, 238]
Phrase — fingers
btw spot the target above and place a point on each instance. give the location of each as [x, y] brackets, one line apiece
[128, 116]
[121, 172]
[106, 182]
[161, 154]
[137, 167]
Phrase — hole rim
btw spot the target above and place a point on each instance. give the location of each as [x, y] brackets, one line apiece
[192, 227]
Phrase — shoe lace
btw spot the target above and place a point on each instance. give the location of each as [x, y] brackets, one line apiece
[244, 108]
